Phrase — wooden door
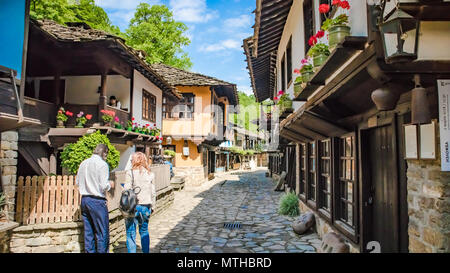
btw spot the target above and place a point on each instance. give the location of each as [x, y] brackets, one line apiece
[383, 188]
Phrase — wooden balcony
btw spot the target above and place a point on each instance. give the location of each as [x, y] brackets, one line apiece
[43, 111]
[123, 115]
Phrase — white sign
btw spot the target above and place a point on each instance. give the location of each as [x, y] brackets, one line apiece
[411, 141]
[427, 141]
[444, 122]
[186, 151]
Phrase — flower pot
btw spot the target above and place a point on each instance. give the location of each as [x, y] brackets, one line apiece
[319, 60]
[297, 88]
[337, 34]
[287, 105]
[385, 98]
[60, 124]
[306, 76]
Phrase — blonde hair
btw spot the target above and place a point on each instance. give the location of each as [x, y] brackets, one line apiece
[139, 161]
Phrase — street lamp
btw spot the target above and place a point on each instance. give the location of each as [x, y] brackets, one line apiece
[400, 34]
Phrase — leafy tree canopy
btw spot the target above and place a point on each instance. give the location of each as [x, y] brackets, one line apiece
[154, 31]
[249, 110]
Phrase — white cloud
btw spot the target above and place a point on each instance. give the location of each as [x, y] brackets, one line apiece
[192, 11]
[223, 45]
[246, 89]
[238, 22]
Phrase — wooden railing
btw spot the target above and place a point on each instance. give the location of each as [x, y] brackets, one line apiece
[123, 116]
[51, 199]
[40, 110]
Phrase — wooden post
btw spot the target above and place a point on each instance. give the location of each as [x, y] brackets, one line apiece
[53, 162]
[57, 87]
[103, 98]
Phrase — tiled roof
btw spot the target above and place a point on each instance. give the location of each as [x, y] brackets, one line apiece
[81, 32]
[179, 77]
[76, 33]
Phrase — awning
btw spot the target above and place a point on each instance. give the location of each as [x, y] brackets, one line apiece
[305, 126]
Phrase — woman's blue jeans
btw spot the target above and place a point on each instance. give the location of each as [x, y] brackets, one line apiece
[140, 219]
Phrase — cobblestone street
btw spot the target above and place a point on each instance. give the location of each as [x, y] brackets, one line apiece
[195, 222]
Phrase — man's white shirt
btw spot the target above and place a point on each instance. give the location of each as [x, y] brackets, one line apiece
[93, 177]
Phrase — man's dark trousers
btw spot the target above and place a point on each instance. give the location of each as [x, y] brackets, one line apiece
[96, 224]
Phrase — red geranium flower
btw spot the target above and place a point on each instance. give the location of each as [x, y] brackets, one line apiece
[344, 5]
[324, 8]
[297, 71]
[312, 40]
[336, 2]
[88, 117]
[132, 119]
[320, 34]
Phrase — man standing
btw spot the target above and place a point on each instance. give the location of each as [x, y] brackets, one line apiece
[92, 181]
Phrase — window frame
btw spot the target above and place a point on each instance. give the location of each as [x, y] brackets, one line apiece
[311, 172]
[303, 170]
[289, 70]
[308, 10]
[351, 231]
[183, 103]
[283, 72]
[327, 213]
[333, 216]
[167, 107]
[148, 108]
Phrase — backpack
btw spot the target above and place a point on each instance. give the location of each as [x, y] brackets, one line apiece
[129, 200]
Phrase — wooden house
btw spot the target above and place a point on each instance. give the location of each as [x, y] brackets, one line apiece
[374, 171]
[197, 125]
[80, 68]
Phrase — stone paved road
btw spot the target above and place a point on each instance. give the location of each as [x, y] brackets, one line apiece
[194, 223]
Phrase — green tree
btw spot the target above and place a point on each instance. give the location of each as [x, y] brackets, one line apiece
[75, 153]
[64, 11]
[249, 110]
[154, 31]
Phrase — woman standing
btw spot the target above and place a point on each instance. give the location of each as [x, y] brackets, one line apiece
[140, 177]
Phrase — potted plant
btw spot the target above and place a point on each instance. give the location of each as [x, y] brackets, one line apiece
[319, 51]
[81, 120]
[307, 70]
[338, 27]
[62, 117]
[108, 117]
[130, 125]
[298, 84]
[117, 124]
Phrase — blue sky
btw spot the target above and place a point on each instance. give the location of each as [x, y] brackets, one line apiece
[216, 28]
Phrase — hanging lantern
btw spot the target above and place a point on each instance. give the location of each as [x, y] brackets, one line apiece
[400, 34]
[169, 140]
[420, 110]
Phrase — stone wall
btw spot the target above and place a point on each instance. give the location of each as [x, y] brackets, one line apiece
[60, 237]
[194, 176]
[8, 163]
[428, 205]
[322, 227]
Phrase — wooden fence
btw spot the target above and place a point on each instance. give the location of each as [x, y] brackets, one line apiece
[47, 199]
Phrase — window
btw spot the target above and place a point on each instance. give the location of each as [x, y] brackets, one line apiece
[283, 73]
[312, 179]
[148, 106]
[167, 106]
[346, 182]
[308, 22]
[325, 176]
[303, 157]
[289, 60]
[185, 108]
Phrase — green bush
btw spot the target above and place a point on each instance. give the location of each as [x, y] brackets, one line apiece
[289, 205]
[170, 153]
[74, 154]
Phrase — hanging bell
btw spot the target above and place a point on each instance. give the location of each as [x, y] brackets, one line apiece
[420, 109]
